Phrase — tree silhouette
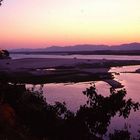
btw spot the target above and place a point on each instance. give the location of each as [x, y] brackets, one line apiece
[33, 117]
[4, 54]
[97, 113]
[0, 1]
[120, 135]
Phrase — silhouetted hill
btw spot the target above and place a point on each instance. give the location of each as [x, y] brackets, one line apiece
[131, 46]
[85, 47]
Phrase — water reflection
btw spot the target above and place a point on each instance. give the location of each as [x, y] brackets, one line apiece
[129, 79]
[131, 82]
[70, 92]
[29, 116]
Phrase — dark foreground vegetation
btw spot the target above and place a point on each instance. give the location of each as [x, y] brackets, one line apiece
[26, 115]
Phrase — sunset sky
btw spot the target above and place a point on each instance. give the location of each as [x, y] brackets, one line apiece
[43, 23]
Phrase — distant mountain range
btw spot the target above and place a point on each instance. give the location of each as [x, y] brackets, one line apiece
[84, 47]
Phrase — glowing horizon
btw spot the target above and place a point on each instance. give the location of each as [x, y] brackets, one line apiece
[46, 23]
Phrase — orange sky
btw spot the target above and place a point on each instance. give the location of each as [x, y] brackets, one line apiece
[43, 23]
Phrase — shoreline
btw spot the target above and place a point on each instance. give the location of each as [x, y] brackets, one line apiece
[82, 52]
[34, 63]
[53, 70]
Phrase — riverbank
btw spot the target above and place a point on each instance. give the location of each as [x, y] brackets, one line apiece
[52, 70]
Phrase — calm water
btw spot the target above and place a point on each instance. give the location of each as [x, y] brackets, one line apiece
[72, 95]
[131, 83]
[109, 57]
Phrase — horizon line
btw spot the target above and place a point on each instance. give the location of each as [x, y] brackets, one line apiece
[75, 45]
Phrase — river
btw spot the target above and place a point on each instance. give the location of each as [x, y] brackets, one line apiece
[72, 94]
[108, 57]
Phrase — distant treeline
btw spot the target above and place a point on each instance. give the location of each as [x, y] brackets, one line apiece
[100, 52]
